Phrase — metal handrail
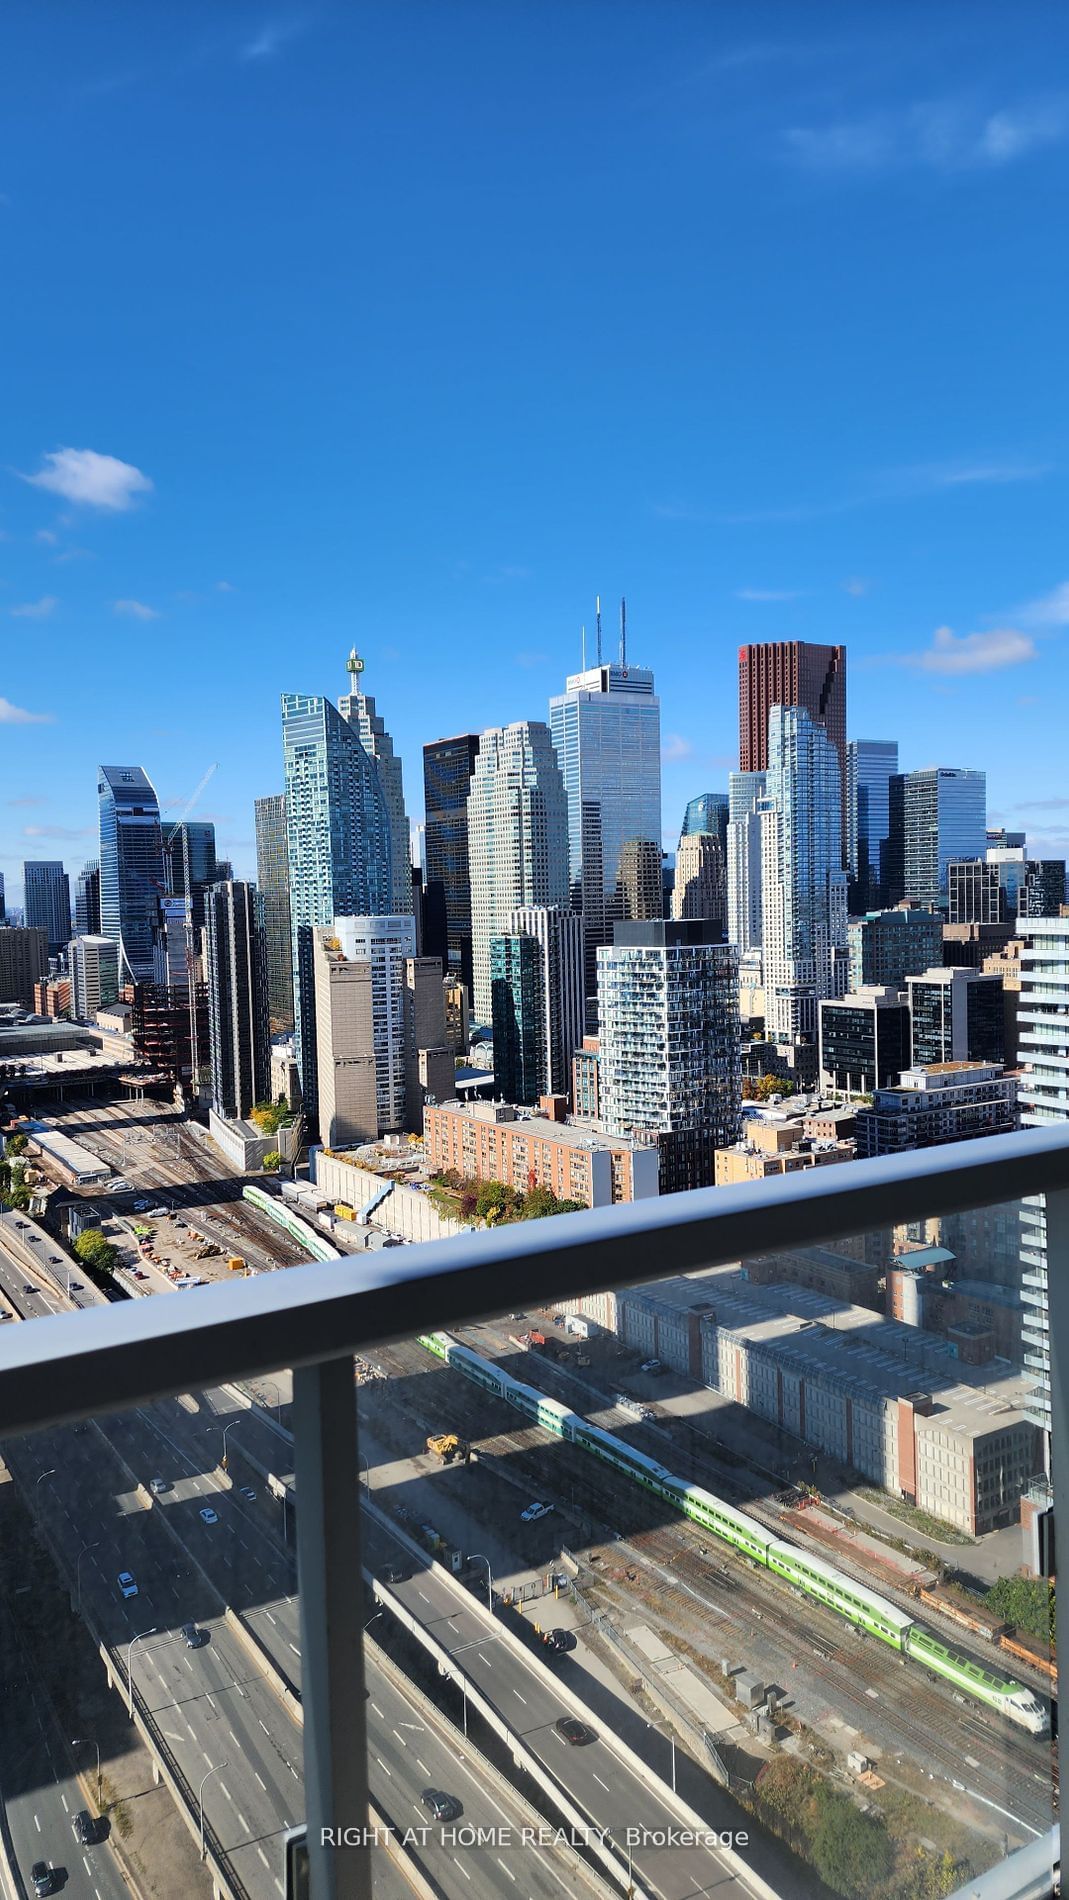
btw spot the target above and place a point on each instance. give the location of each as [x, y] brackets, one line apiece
[72, 1365]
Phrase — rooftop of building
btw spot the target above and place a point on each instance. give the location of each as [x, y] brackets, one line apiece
[539, 1127]
[853, 1348]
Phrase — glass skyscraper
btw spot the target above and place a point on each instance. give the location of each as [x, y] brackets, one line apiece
[944, 816]
[87, 901]
[709, 812]
[191, 867]
[448, 765]
[358, 709]
[870, 766]
[47, 901]
[273, 883]
[517, 838]
[338, 838]
[236, 976]
[606, 729]
[132, 877]
[803, 885]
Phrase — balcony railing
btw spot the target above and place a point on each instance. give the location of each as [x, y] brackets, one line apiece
[315, 1318]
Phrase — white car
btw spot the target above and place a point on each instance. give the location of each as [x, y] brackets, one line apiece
[535, 1511]
[208, 1516]
[127, 1585]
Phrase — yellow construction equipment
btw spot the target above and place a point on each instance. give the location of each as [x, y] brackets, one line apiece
[448, 1448]
[236, 1264]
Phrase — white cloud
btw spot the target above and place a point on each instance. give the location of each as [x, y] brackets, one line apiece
[1051, 610]
[17, 716]
[270, 39]
[57, 831]
[675, 747]
[856, 585]
[944, 135]
[974, 652]
[225, 587]
[47, 536]
[135, 609]
[94, 481]
[766, 593]
[35, 609]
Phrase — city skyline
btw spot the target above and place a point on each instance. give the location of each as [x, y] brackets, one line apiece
[857, 476]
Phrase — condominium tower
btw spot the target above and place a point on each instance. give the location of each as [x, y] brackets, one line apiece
[517, 838]
[132, 872]
[448, 765]
[792, 673]
[870, 766]
[803, 885]
[273, 884]
[47, 901]
[358, 708]
[236, 976]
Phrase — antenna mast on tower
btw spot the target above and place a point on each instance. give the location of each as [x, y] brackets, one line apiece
[623, 631]
[597, 610]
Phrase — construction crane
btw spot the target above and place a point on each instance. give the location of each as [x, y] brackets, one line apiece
[189, 804]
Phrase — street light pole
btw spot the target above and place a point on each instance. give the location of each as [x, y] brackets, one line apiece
[476, 1557]
[217, 1770]
[129, 1665]
[228, 1428]
[45, 1474]
[82, 1742]
[362, 1455]
[78, 1571]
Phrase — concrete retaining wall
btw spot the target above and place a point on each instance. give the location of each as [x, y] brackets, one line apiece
[403, 1211]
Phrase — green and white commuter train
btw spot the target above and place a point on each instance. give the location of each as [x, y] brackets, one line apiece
[809, 1574]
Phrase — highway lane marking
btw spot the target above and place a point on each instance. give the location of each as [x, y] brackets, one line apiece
[383, 1766]
[505, 1869]
[264, 1726]
[242, 1819]
[225, 1790]
[601, 1784]
[270, 1618]
[170, 1737]
[484, 1658]
[294, 1648]
[400, 1738]
[85, 1864]
[66, 1809]
[463, 1869]
[378, 1712]
[260, 1779]
[421, 1593]
[422, 1765]
[37, 1824]
[263, 1857]
[519, 1697]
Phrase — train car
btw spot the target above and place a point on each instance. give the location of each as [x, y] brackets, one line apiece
[1027, 1650]
[971, 1616]
[809, 1574]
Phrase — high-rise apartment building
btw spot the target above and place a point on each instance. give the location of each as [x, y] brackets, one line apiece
[338, 837]
[803, 884]
[886, 946]
[23, 962]
[358, 708]
[385, 944]
[235, 970]
[87, 901]
[537, 978]
[189, 855]
[870, 766]
[944, 816]
[430, 1066]
[952, 1101]
[606, 729]
[517, 838]
[3, 900]
[347, 1090]
[669, 1045]
[47, 901]
[132, 874]
[793, 673]
[448, 765]
[94, 965]
[1043, 891]
[700, 887]
[1043, 1094]
[746, 793]
[864, 1039]
[956, 1015]
[641, 880]
[974, 892]
[273, 884]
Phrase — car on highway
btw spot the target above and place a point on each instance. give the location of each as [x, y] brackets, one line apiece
[395, 1573]
[158, 1486]
[140, 1207]
[246, 1491]
[574, 1732]
[84, 1826]
[208, 1516]
[443, 1807]
[127, 1584]
[75, 1286]
[28, 1288]
[650, 1365]
[193, 1636]
[534, 1512]
[44, 1878]
[560, 1641]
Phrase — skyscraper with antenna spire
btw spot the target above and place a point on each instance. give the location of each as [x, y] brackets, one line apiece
[606, 728]
[358, 709]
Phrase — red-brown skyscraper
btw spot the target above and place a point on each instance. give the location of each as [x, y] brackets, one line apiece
[791, 673]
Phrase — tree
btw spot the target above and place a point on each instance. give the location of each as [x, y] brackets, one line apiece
[13, 1185]
[851, 1852]
[271, 1161]
[1026, 1602]
[95, 1249]
[16, 1144]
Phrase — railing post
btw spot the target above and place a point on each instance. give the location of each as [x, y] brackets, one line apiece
[1057, 1255]
[331, 1599]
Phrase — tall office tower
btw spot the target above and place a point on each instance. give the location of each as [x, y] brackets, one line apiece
[385, 944]
[944, 817]
[1043, 1095]
[669, 1065]
[606, 729]
[273, 884]
[176, 946]
[47, 901]
[235, 968]
[87, 901]
[1010, 864]
[455, 997]
[700, 888]
[864, 1039]
[956, 1015]
[23, 962]
[132, 877]
[94, 975]
[803, 885]
[1043, 891]
[517, 838]
[870, 766]
[641, 880]
[974, 892]
[189, 854]
[448, 765]
[886, 946]
[746, 792]
[3, 901]
[537, 994]
[358, 708]
[430, 1067]
[224, 870]
[345, 1043]
[1002, 840]
[793, 673]
[338, 841]
[709, 812]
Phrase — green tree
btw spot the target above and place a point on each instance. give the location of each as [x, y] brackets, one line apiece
[271, 1161]
[96, 1251]
[851, 1852]
[16, 1144]
[14, 1191]
[1026, 1602]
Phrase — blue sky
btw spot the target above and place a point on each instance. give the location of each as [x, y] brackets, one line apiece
[415, 325]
